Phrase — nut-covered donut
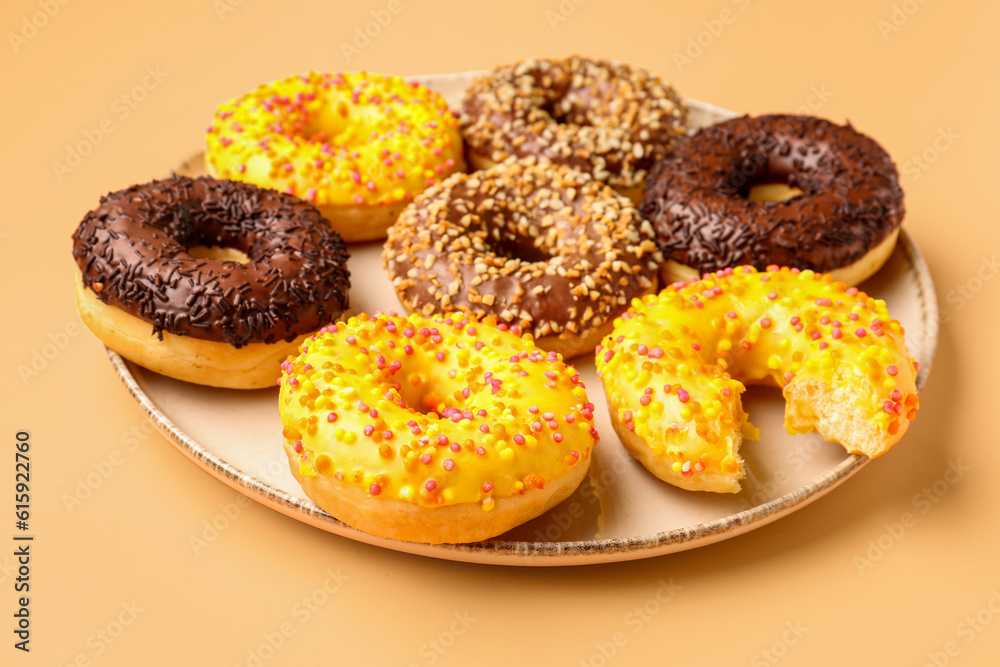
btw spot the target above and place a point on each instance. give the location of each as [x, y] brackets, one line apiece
[608, 119]
[208, 281]
[541, 247]
[838, 209]
[433, 430]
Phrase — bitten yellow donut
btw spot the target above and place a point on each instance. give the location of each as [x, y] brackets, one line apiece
[437, 430]
[356, 145]
[673, 370]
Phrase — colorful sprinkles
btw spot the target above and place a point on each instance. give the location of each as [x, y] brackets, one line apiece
[447, 422]
[337, 139]
[781, 326]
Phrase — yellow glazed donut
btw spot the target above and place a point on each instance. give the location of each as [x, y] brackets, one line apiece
[437, 430]
[673, 370]
[356, 145]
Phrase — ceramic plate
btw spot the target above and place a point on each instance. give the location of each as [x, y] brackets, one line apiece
[620, 512]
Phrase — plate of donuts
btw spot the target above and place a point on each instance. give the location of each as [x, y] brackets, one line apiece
[620, 511]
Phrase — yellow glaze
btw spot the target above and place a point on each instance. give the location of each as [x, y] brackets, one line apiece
[675, 365]
[435, 412]
[342, 139]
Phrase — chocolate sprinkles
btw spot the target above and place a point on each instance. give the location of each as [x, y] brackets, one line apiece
[133, 253]
[696, 196]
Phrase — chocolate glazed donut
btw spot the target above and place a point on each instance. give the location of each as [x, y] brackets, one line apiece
[132, 251]
[843, 217]
[542, 247]
[608, 119]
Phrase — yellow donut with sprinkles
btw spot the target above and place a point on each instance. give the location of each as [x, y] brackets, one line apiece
[675, 365]
[439, 430]
[356, 145]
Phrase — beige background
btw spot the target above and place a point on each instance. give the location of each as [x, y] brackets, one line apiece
[919, 77]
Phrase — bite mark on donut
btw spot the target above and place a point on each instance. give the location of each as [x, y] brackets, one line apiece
[676, 364]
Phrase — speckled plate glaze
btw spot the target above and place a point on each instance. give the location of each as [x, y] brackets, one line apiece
[620, 512]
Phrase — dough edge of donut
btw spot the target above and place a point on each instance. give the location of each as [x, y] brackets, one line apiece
[566, 344]
[355, 224]
[205, 362]
[827, 410]
[661, 467]
[809, 407]
[450, 524]
[633, 193]
[853, 274]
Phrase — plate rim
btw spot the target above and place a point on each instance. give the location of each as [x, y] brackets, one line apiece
[557, 553]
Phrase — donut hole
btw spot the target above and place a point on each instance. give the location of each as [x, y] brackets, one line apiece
[206, 237]
[433, 393]
[775, 192]
[566, 110]
[520, 237]
[326, 123]
[541, 228]
[221, 253]
[520, 248]
[779, 169]
[769, 185]
[419, 394]
[591, 98]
